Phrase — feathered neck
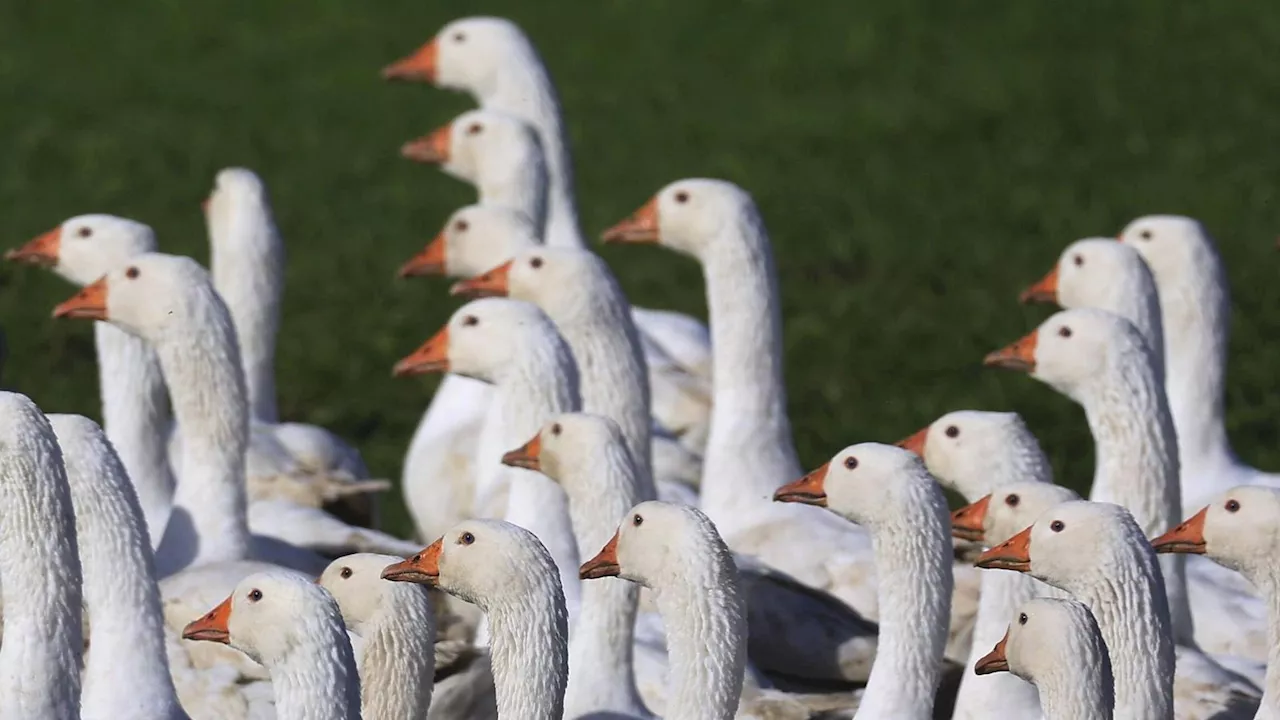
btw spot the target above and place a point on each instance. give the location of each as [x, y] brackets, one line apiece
[247, 263]
[529, 636]
[201, 361]
[317, 679]
[1082, 688]
[397, 659]
[41, 653]
[515, 178]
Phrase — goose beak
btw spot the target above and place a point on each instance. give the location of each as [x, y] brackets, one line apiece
[41, 251]
[527, 456]
[211, 627]
[604, 564]
[430, 261]
[89, 304]
[1012, 554]
[641, 227]
[916, 442]
[1045, 291]
[1020, 356]
[966, 523]
[994, 661]
[809, 489]
[423, 568]
[1187, 538]
[432, 148]
[420, 66]
[490, 284]
[431, 356]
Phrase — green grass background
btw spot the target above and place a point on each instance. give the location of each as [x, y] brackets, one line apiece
[918, 162]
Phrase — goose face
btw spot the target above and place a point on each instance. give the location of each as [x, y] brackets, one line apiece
[1088, 273]
[479, 561]
[566, 441]
[481, 339]
[1043, 633]
[862, 483]
[477, 145]
[958, 447]
[232, 187]
[467, 54]
[1239, 529]
[1176, 248]
[687, 215]
[152, 296]
[1006, 511]
[355, 581]
[474, 240]
[652, 544]
[1069, 545]
[1071, 351]
[561, 281]
[84, 248]
[265, 615]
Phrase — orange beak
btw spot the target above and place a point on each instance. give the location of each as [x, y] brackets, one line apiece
[1012, 554]
[90, 303]
[428, 262]
[1045, 291]
[423, 568]
[431, 356]
[916, 442]
[966, 523]
[431, 148]
[420, 66]
[641, 227]
[490, 284]
[1187, 538]
[41, 251]
[994, 661]
[211, 627]
[604, 564]
[527, 456]
[1020, 356]
[809, 489]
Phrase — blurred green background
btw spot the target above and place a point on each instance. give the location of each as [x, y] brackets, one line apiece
[918, 162]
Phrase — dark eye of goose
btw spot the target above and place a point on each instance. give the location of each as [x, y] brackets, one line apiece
[851, 462]
[467, 538]
[1078, 260]
[1145, 234]
[952, 431]
[555, 428]
[474, 129]
[132, 272]
[345, 573]
[461, 226]
[459, 37]
[1233, 506]
[1057, 526]
[1012, 500]
[470, 320]
[1064, 331]
[84, 232]
[682, 197]
[536, 263]
[637, 520]
[255, 595]
[1022, 618]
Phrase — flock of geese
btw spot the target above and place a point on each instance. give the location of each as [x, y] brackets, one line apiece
[620, 514]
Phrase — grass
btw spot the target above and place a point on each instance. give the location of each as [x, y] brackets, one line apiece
[917, 162]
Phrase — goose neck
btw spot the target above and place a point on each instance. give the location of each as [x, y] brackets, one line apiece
[1001, 594]
[397, 659]
[1080, 689]
[317, 679]
[529, 654]
[1196, 321]
[519, 183]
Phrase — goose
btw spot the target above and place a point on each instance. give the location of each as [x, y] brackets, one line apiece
[888, 490]
[503, 568]
[1101, 361]
[397, 628]
[494, 61]
[514, 346]
[470, 241]
[1056, 644]
[1082, 547]
[1195, 312]
[41, 655]
[135, 401]
[1238, 530]
[290, 625]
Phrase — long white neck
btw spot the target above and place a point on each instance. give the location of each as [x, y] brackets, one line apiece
[705, 617]
[1082, 688]
[524, 89]
[397, 660]
[981, 696]
[247, 264]
[750, 451]
[136, 417]
[209, 522]
[40, 656]
[602, 672]
[1137, 465]
[317, 679]
[517, 179]
[120, 593]
[1133, 616]
[913, 565]
[529, 654]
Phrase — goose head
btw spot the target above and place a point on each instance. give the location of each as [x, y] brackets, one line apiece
[267, 615]
[655, 544]
[355, 581]
[570, 448]
[965, 449]
[1074, 351]
[562, 281]
[469, 54]
[999, 516]
[481, 339]
[485, 562]
[154, 296]
[84, 248]
[690, 216]
[475, 239]
[868, 483]
[1092, 273]
[1177, 249]
[1046, 634]
[1240, 529]
[233, 189]
[478, 146]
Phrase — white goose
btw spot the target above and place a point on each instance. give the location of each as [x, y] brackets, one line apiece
[41, 654]
[505, 570]
[888, 491]
[1056, 644]
[1195, 309]
[135, 401]
[293, 627]
[1101, 361]
[1238, 530]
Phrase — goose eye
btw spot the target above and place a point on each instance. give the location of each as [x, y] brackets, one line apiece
[1064, 332]
[474, 129]
[459, 37]
[1078, 260]
[851, 462]
[637, 520]
[467, 538]
[1057, 526]
[952, 431]
[84, 232]
[1145, 234]
[1012, 500]
[555, 429]
[682, 197]
[345, 573]
[132, 272]
[1022, 618]
[536, 263]
[1233, 506]
[255, 595]
[470, 320]
[461, 226]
